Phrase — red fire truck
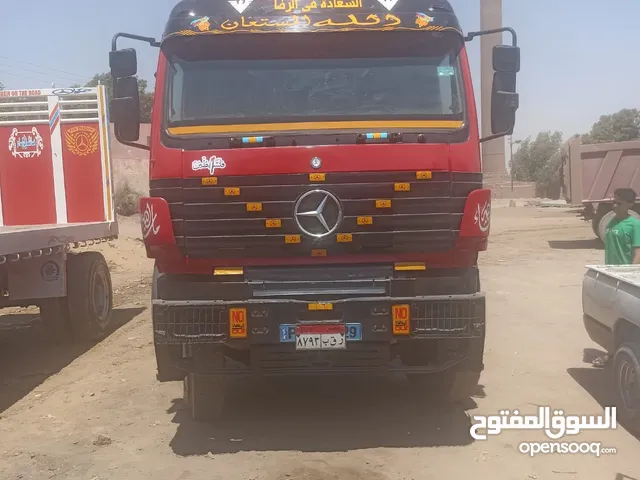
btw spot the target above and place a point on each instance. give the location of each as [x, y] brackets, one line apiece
[316, 197]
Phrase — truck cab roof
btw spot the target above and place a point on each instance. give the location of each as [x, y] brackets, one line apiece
[198, 17]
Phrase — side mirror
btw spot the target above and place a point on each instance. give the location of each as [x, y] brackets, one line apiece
[125, 109]
[504, 103]
[506, 59]
[123, 63]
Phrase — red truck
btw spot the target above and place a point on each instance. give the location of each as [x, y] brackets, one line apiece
[316, 196]
[56, 195]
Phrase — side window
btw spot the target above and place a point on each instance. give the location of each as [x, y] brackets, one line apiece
[177, 101]
[447, 77]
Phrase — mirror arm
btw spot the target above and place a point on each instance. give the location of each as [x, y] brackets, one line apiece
[471, 35]
[493, 137]
[150, 40]
[131, 144]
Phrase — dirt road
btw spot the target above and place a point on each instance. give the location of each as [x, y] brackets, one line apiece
[98, 413]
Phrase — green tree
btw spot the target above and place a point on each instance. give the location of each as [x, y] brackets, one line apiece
[538, 161]
[146, 98]
[1, 86]
[618, 127]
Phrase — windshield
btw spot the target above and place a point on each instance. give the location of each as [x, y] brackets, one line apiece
[350, 86]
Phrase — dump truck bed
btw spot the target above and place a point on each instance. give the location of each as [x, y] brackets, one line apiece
[55, 176]
[32, 238]
[591, 173]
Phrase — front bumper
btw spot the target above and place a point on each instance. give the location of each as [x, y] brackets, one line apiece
[444, 331]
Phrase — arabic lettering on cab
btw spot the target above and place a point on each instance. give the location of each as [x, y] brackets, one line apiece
[555, 426]
[304, 20]
[292, 5]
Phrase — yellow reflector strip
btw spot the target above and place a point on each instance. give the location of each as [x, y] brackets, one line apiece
[401, 319]
[365, 220]
[273, 223]
[232, 191]
[344, 238]
[228, 271]
[254, 207]
[409, 267]
[402, 187]
[238, 322]
[292, 239]
[343, 125]
[383, 203]
[424, 175]
[315, 307]
[209, 181]
[317, 177]
[318, 253]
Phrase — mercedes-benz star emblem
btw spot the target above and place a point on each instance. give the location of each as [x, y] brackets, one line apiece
[316, 162]
[318, 213]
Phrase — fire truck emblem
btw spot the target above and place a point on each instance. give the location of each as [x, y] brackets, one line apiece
[82, 141]
[26, 143]
[482, 218]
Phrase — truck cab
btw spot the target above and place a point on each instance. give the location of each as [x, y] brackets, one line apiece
[316, 199]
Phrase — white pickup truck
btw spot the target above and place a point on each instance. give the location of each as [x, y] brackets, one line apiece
[611, 312]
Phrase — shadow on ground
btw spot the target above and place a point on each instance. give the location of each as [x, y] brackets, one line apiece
[322, 415]
[27, 358]
[588, 244]
[597, 382]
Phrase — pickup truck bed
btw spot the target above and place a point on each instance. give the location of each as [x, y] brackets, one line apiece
[611, 313]
[625, 273]
[610, 294]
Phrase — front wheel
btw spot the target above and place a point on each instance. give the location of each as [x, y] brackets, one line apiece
[626, 375]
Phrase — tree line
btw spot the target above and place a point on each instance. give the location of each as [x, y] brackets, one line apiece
[538, 160]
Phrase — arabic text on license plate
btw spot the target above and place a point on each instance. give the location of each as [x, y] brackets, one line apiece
[321, 337]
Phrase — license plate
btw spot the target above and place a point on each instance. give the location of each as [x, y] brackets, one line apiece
[321, 337]
[353, 333]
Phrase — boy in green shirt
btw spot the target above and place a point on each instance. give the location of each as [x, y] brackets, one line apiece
[622, 238]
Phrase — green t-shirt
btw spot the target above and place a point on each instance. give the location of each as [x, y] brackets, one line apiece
[622, 237]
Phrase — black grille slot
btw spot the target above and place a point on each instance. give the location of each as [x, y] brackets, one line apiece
[209, 224]
[366, 355]
[190, 324]
[448, 319]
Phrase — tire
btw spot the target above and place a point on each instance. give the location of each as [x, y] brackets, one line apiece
[55, 319]
[595, 226]
[90, 296]
[450, 386]
[626, 377]
[204, 395]
[604, 222]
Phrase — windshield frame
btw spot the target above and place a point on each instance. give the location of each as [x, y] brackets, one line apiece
[407, 123]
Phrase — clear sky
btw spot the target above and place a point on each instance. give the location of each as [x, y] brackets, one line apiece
[580, 58]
